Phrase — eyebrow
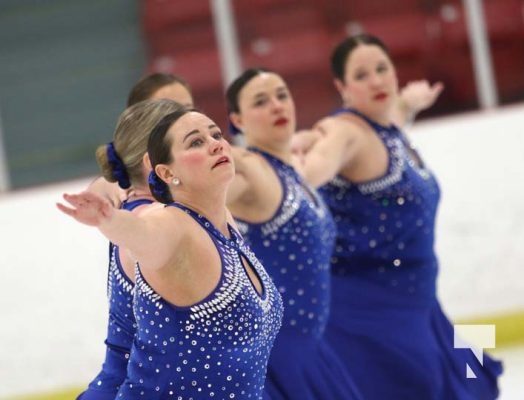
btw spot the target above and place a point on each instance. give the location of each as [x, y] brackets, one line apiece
[278, 89]
[195, 131]
[259, 96]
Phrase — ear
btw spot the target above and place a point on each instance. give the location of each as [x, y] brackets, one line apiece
[339, 85]
[164, 173]
[146, 162]
[236, 120]
[342, 91]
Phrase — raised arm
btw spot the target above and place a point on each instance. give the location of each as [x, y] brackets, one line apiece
[303, 140]
[241, 183]
[413, 98]
[335, 147]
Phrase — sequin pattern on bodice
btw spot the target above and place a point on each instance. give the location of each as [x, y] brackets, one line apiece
[121, 327]
[295, 246]
[217, 348]
[386, 225]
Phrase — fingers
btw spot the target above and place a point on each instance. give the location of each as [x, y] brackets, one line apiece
[437, 88]
[81, 199]
[65, 209]
[75, 200]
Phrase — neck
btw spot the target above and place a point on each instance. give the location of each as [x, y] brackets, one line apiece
[210, 205]
[139, 192]
[383, 117]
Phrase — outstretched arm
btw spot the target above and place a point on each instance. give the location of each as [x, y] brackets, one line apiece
[240, 184]
[336, 145]
[109, 190]
[302, 141]
[88, 208]
[415, 97]
[148, 237]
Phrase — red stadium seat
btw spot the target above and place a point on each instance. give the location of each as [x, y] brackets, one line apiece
[342, 11]
[158, 14]
[200, 67]
[177, 39]
[252, 8]
[314, 99]
[277, 22]
[297, 53]
[404, 34]
[505, 19]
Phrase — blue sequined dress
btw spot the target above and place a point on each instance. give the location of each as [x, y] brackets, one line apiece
[215, 349]
[121, 326]
[295, 246]
[385, 320]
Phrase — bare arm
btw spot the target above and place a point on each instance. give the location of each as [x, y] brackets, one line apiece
[413, 98]
[335, 147]
[303, 140]
[109, 190]
[151, 237]
[243, 182]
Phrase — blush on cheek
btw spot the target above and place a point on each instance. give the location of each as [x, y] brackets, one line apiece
[193, 159]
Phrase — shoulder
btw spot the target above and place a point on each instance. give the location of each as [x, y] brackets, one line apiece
[342, 131]
[343, 124]
[176, 228]
[144, 209]
[248, 162]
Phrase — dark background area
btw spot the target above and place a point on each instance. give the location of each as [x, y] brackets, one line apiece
[66, 66]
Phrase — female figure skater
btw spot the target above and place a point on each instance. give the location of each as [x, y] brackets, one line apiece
[386, 321]
[206, 311]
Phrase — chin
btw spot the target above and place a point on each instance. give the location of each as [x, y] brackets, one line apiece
[228, 172]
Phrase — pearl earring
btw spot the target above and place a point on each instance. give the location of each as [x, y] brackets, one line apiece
[176, 181]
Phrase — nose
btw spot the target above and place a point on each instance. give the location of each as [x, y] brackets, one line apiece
[376, 79]
[277, 103]
[216, 146]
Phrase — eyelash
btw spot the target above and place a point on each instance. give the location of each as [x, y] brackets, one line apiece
[380, 68]
[280, 96]
[197, 142]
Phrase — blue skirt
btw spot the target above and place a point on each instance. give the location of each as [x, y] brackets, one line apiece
[306, 368]
[397, 347]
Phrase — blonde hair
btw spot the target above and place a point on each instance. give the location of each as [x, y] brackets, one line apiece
[130, 138]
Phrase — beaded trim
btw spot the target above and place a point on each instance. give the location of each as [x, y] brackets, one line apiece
[235, 278]
[290, 205]
[400, 158]
[227, 292]
[398, 164]
[144, 289]
[116, 276]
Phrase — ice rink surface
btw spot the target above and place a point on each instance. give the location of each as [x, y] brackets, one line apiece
[53, 299]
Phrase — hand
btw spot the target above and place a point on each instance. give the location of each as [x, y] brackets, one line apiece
[419, 95]
[109, 190]
[88, 208]
[329, 125]
[303, 140]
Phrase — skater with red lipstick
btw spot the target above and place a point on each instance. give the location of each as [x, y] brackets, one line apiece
[386, 321]
[291, 231]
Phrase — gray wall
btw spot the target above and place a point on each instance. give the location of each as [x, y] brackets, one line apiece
[65, 69]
